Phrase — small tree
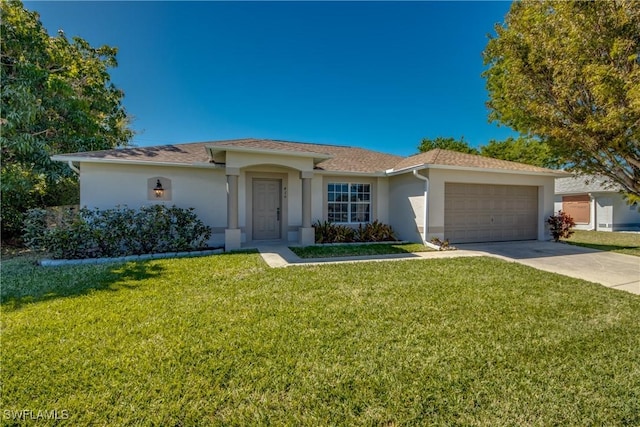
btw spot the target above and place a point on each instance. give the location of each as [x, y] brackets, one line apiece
[568, 72]
[561, 225]
[447, 144]
[56, 96]
[524, 150]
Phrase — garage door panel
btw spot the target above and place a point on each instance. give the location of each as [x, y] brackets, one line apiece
[507, 220]
[483, 213]
[484, 205]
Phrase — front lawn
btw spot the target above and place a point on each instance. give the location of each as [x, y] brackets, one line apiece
[624, 243]
[224, 340]
[355, 249]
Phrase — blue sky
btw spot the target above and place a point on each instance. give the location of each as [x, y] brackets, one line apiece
[379, 75]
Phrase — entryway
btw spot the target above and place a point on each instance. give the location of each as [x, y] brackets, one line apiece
[267, 209]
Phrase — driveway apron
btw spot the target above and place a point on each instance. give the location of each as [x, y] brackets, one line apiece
[610, 269]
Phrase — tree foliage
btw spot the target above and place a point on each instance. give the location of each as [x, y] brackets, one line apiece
[448, 143]
[56, 96]
[569, 73]
[524, 150]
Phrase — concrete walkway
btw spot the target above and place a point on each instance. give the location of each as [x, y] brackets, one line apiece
[610, 269]
[278, 256]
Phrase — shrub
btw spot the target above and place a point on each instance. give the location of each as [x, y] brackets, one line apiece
[561, 225]
[72, 241]
[444, 245]
[34, 228]
[92, 233]
[328, 232]
[375, 232]
[324, 231]
[38, 221]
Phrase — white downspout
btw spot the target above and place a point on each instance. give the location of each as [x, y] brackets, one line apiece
[425, 224]
[73, 168]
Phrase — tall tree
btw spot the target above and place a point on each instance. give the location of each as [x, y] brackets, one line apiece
[524, 150]
[453, 144]
[56, 96]
[568, 72]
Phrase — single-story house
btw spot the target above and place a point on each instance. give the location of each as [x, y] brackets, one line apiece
[258, 189]
[595, 203]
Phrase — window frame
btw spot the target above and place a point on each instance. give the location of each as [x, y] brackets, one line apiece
[346, 192]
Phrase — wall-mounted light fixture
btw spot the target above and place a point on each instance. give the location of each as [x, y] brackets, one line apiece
[158, 190]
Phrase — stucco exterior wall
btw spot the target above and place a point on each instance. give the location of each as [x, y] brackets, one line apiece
[382, 200]
[396, 200]
[406, 206]
[317, 198]
[105, 185]
[612, 213]
[608, 212]
[252, 160]
[625, 217]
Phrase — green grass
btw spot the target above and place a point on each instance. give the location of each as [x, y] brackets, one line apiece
[624, 243]
[224, 340]
[354, 249]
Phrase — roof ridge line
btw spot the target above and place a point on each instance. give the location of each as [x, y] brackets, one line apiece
[304, 143]
[435, 158]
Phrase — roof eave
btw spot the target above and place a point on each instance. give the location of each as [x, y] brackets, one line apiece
[552, 173]
[394, 172]
[81, 159]
[587, 191]
[349, 173]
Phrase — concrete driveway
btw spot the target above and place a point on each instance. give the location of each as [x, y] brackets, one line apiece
[610, 269]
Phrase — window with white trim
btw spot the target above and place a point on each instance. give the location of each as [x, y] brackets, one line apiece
[348, 202]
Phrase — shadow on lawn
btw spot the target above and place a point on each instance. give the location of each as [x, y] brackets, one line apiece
[25, 285]
[603, 247]
[355, 249]
[628, 249]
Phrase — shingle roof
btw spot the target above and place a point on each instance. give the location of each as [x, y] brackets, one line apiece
[343, 158]
[584, 184]
[442, 157]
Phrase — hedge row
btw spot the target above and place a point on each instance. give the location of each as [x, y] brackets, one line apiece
[95, 233]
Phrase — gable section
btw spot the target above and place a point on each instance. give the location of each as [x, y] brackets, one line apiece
[439, 158]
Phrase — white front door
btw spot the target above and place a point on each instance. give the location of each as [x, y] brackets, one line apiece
[266, 209]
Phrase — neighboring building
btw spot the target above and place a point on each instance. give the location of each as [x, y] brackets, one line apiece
[256, 189]
[595, 203]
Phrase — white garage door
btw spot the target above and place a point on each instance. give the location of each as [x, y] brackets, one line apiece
[490, 213]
